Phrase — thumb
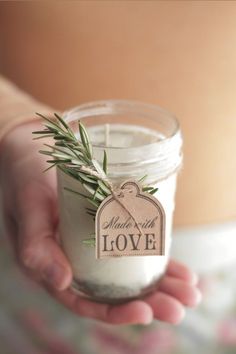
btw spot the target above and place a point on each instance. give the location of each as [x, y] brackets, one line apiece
[37, 248]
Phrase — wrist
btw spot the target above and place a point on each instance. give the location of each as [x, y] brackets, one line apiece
[18, 142]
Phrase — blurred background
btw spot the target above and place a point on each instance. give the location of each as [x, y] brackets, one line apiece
[180, 55]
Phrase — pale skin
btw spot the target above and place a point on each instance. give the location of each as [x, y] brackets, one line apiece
[31, 218]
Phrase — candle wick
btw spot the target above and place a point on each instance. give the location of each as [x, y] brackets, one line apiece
[107, 143]
[107, 135]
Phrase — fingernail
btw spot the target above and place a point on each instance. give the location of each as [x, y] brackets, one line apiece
[147, 320]
[198, 296]
[195, 279]
[181, 317]
[55, 275]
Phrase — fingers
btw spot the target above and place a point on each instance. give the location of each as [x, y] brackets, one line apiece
[47, 262]
[186, 293]
[160, 305]
[134, 312]
[37, 247]
[178, 270]
[175, 290]
[167, 304]
[166, 308]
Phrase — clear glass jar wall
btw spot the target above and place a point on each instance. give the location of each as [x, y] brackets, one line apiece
[140, 140]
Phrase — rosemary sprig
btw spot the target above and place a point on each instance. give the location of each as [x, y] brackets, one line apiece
[74, 157]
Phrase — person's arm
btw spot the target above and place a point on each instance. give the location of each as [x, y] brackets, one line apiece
[29, 199]
[17, 107]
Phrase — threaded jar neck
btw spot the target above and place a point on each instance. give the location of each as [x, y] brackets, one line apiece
[140, 139]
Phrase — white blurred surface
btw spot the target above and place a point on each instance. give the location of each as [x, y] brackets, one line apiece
[206, 248]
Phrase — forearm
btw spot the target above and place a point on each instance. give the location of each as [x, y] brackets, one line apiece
[16, 107]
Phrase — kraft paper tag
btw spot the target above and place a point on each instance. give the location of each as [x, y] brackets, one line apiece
[130, 224]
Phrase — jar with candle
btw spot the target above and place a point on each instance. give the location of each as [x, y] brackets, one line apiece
[139, 140]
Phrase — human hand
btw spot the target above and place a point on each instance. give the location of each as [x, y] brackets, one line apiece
[31, 218]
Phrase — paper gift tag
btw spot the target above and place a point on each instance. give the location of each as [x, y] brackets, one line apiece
[130, 223]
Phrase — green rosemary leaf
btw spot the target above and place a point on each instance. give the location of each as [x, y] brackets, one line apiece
[88, 188]
[69, 171]
[142, 179]
[61, 121]
[86, 178]
[76, 162]
[53, 147]
[93, 202]
[99, 196]
[52, 128]
[60, 156]
[147, 189]
[153, 191]
[53, 165]
[91, 210]
[43, 152]
[65, 125]
[95, 193]
[104, 164]
[75, 192]
[99, 169]
[91, 214]
[41, 132]
[45, 118]
[51, 123]
[104, 188]
[90, 241]
[59, 161]
[43, 136]
[61, 137]
[59, 143]
[85, 140]
[76, 152]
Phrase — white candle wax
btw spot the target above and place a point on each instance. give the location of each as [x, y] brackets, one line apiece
[119, 277]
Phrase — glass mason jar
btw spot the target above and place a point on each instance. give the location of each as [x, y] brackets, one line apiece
[140, 139]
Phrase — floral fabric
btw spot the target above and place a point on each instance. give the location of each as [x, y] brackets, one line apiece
[33, 323]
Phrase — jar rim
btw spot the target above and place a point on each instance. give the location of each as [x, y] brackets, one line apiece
[113, 106]
[156, 159]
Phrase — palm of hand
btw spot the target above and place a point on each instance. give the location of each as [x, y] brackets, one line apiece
[30, 210]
